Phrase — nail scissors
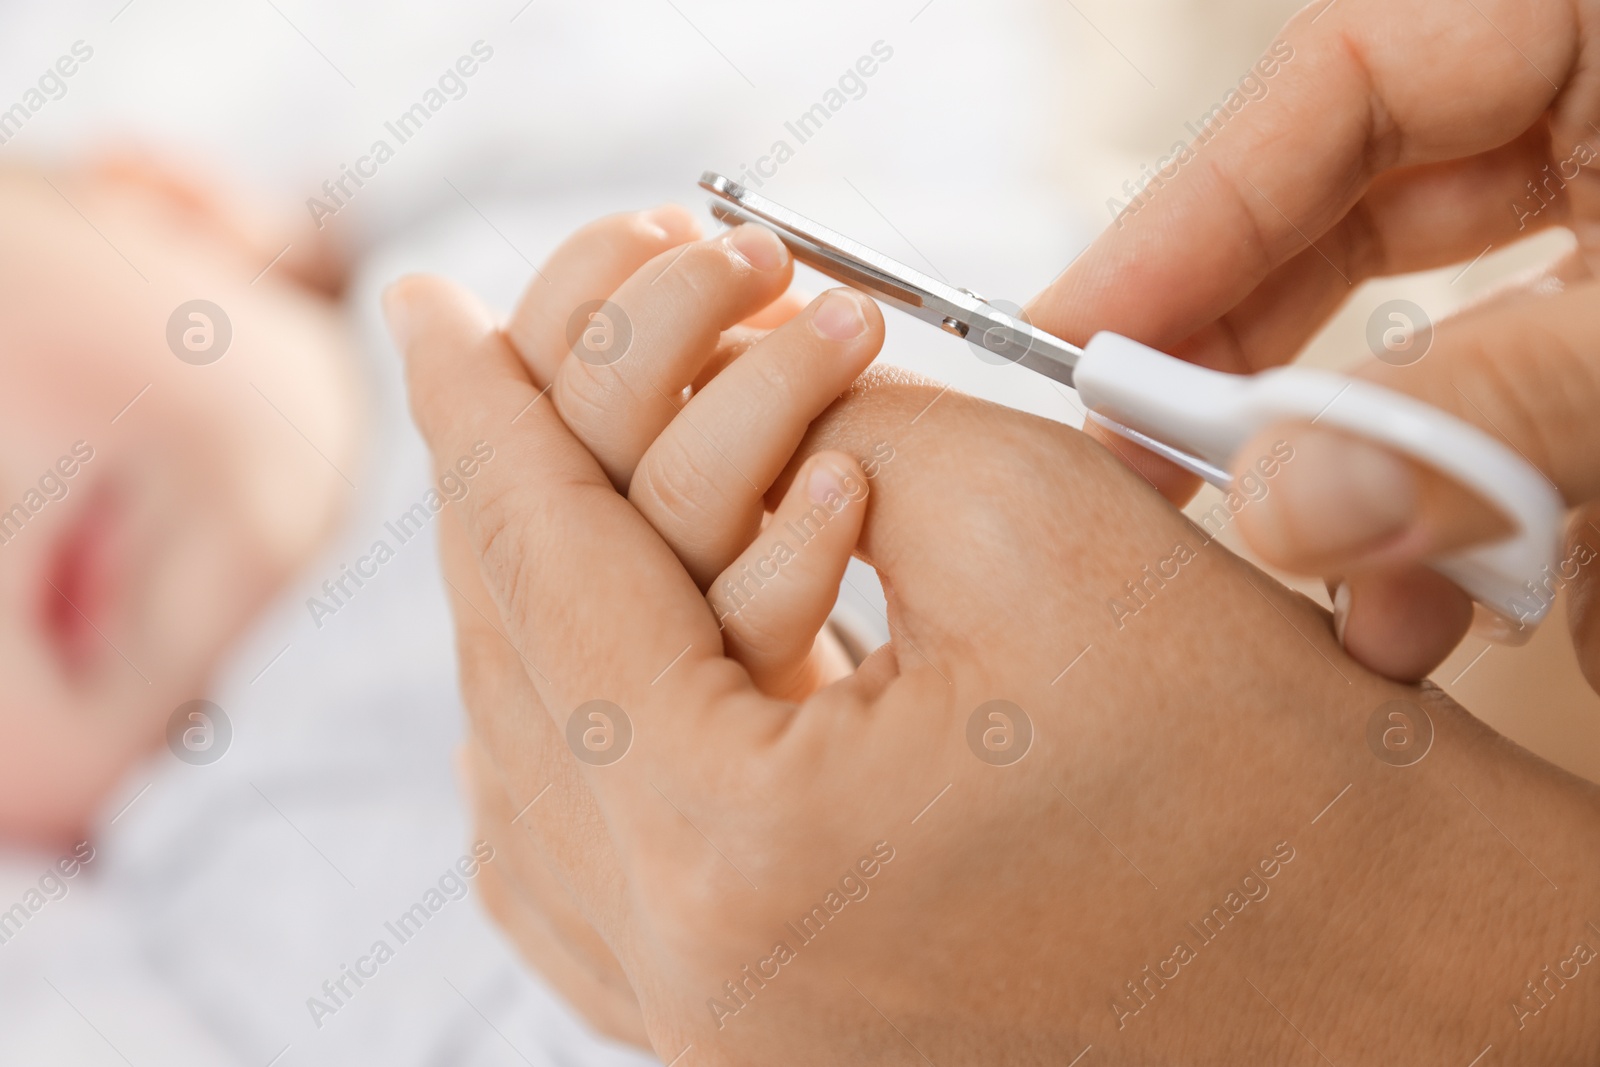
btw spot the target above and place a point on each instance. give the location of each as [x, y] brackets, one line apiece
[1198, 418]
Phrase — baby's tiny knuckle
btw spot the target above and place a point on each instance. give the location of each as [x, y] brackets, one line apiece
[586, 402]
[675, 493]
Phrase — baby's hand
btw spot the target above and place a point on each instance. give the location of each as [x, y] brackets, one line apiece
[694, 412]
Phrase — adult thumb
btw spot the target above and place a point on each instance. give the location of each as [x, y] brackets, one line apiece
[1526, 372]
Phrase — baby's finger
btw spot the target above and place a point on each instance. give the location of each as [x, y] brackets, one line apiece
[672, 312]
[702, 482]
[737, 340]
[774, 599]
[586, 268]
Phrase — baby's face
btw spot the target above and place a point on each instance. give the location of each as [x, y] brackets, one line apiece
[148, 504]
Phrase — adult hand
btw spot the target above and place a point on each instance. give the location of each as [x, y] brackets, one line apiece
[1385, 137]
[871, 875]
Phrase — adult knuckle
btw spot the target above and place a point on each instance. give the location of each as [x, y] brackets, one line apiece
[1363, 247]
[1544, 399]
[499, 533]
[696, 893]
[1259, 244]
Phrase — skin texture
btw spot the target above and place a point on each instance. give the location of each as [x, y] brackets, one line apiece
[699, 470]
[1172, 755]
[118, 596]
[1399, 136]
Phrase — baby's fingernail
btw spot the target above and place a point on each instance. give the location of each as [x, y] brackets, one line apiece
[758, 246]
[1338, 497]
[1341, 610]
[825, 483]
[838, 316]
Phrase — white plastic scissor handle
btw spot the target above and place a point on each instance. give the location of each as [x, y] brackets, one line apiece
[1212, 414]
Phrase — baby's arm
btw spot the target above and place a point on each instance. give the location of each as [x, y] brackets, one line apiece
[675, 325]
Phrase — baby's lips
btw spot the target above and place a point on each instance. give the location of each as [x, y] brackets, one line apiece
[83, 576]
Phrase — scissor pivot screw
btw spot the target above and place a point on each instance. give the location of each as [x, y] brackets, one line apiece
[950, 325]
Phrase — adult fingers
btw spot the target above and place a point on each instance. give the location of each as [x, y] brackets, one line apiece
[553, 830]
[1578, 572]
[702, 482]
[534, 908]
[1400, 622]
[1293, 154]
[1344, 503]
[1411, 219]
[1345, 100]
[1345, 507]
[589, 594]
[1525, 371]
[674, 310]
[585, 270]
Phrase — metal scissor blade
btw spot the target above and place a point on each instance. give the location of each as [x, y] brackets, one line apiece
[853, 271]
[957, 311]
